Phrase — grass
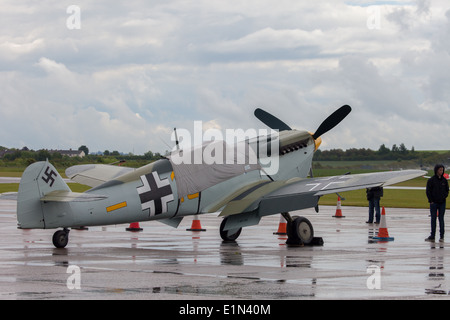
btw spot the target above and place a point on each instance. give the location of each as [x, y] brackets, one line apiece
[9, 187]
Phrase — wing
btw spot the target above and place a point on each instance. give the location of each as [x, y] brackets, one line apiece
[94, 175]
[275, 197]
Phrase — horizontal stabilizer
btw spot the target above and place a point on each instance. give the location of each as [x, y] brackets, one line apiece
[8, 196]
[67, 196]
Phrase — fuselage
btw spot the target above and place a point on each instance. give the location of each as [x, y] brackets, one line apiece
[152, 192]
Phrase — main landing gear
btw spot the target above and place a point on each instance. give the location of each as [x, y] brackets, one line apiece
[229, 235]
[61, 238]
[300, 231]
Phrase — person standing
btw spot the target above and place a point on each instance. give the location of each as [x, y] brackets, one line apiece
[373, 196]
[437, 193]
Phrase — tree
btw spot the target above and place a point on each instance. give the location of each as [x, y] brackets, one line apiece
[43, 155]
[148, 155]
[84, 148]
[383, 150]
[403, 148]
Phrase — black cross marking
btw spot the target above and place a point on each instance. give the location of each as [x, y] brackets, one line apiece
[49, 176]
[155, 194]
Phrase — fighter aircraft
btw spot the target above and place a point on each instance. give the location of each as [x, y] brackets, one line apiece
[168, 190]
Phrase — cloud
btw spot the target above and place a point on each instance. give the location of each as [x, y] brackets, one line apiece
[134, 71]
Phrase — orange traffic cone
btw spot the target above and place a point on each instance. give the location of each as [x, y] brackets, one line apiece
[134, 226]
[383, 233]
[338, 209]
[282, 226]
[196, 225]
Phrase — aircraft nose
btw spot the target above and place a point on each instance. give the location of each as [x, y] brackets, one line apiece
[317, 141]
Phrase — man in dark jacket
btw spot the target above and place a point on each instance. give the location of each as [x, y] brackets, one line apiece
[373, 196]
[437, 192]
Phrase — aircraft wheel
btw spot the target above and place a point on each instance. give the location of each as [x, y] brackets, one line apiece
[300, 231]
[61, 238]
[229, 235]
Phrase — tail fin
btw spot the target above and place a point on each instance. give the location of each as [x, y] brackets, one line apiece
[38, 180]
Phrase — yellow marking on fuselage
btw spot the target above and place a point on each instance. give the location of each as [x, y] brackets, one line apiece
[116, 206]
[193, 196]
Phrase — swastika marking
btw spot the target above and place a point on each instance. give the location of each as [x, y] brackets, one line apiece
[50, 176]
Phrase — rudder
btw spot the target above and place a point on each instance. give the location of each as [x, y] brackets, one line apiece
[38, 180]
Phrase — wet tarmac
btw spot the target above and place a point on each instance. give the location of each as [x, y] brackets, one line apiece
[165, 263]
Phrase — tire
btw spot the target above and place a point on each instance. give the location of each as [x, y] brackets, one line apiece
[300, 230]
[229, 235]
[60, 238]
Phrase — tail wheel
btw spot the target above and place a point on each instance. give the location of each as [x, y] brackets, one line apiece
[300, 229]
[229, 235]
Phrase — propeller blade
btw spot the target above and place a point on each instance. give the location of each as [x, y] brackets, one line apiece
[333, 120]
[270, 120]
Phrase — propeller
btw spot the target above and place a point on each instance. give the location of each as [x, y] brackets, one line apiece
[270, 120]
[333, 120]
[329, 123]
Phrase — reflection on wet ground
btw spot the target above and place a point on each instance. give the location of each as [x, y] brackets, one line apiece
[165, 263]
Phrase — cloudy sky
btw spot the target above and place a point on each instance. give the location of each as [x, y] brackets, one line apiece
[121, 75]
